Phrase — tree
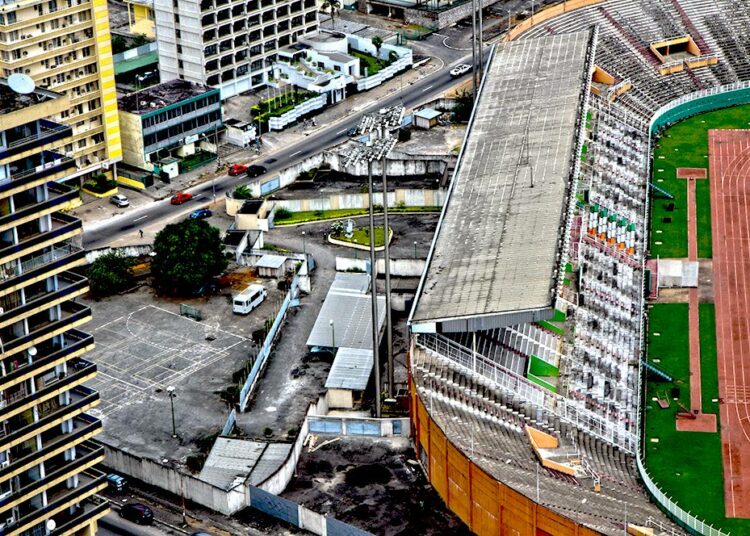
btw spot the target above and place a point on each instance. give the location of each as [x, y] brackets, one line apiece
[111, 273]
[187, 255]
[377, 42]
[140, 40]
[119, 44]
[464, 105]
[333, 6]
[242, 192]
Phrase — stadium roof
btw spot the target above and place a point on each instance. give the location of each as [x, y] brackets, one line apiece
[496, 245]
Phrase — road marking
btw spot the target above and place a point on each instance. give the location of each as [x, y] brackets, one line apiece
[427, 88]
[141, 218]
[341, 131]
[298, 152]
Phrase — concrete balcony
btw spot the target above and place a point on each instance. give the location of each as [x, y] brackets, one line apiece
[47, 166]
[46, 132]
[62, 227]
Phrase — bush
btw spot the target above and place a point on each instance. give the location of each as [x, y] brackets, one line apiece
[100, 184]
[268, 432]
[282, 213]
[242, 192]
[111, 273]
[195, 462]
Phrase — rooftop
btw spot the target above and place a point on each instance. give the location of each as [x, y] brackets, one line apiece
[351, 369]
[496, 249]
[231, 461]
[271, 261]
[349, 307]
[251, 206]
[11, 101]
[427, 113]
[160, 96]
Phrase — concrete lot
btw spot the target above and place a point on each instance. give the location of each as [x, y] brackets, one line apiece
[143, 345]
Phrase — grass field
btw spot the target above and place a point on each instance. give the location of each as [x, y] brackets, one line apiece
[686, 145]
[294, 218]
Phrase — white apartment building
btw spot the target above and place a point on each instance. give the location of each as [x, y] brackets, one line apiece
[229, 44]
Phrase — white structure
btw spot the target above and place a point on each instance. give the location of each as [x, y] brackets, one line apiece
[323, 62]
[249, 299]
[227, 45]
[240, 133]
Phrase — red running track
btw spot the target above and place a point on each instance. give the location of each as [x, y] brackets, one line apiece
[729, 161]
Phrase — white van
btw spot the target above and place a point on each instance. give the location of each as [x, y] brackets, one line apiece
[249, 299]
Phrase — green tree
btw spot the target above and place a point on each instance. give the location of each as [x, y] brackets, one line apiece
[140, 40]
[242, 192]
[111, 273]
[119, 44]
[464, 105]
[187, 255]
[377, 42]
[332, 6]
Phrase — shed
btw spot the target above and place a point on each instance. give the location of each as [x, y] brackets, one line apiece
[349, 376]
[426, 118]
[271, 266]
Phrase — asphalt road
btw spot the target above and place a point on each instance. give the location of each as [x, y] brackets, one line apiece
[99, 234]
[112, 525]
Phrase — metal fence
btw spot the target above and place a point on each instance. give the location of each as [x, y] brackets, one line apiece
[265, 349]
[229, 425]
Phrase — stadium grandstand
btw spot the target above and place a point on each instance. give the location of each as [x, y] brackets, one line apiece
[526, 357]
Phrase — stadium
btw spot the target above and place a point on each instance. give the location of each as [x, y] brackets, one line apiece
[553, 391]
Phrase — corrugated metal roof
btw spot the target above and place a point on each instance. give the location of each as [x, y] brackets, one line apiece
[350, 309]
[427, 113]
[233, 460]
[270, 261]
[351, 369]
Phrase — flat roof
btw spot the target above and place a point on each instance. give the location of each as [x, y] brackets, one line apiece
[349, 306]
[232, 461]
[496, 244]
[351, 369]
[160, 96]
[427, 113]
[137, 62]
[11, 101]
[271, 261]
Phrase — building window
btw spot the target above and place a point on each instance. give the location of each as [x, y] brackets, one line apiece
[82, 143]
[180, 64]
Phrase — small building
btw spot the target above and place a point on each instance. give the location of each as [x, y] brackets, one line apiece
[236, 242]
[349, 376]
[271, 266]
[253, 215]
[240, 133]
[426, 118]
[176, 119]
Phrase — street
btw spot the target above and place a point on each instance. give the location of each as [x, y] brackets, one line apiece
[113, 525]
[101, 233]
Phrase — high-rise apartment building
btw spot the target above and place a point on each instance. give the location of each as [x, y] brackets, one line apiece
[65, 46]
[47, 462]
[229, 44]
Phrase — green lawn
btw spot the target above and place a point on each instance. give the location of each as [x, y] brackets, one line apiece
[372, 63]
[686, 145]
[305, 216]
[361, 236]
[686, 465]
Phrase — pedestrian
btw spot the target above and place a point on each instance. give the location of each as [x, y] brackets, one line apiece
[140, 231]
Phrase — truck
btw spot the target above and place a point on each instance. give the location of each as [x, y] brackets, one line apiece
[248, 299]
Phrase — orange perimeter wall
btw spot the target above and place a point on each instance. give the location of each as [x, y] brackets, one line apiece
[487, 506]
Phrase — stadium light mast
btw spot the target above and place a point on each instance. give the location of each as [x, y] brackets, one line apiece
[474, 48]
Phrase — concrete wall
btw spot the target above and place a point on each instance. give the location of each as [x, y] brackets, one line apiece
[436, 21]
[128, 251]
[279, 123]
[340, 398]
[399, 267]
[171, 479]
[400, 196]
[132, 141]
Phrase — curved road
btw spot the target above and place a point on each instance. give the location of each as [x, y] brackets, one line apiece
[101, 233]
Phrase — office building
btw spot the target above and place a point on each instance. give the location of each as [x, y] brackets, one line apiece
[228, 44]
[48, 475]
[65, 46]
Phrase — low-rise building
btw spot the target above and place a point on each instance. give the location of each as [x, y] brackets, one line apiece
[426, 118]
[176, 121]
[240, 133]
[141, 18]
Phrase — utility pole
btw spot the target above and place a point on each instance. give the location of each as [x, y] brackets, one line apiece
[387, 262]
[474, 47]
[480, 53]
[374, 294]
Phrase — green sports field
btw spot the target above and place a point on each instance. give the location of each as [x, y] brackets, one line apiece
[686, 465]
[686, 145]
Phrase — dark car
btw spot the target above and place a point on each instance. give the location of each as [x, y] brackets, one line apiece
[137, 513]
[200, 214]
[180, 198]
[256, 171]
[352, 132]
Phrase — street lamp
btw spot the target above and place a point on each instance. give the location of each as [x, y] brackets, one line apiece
[415, 249]
[333, 333]
[171, 394]
[304, 249]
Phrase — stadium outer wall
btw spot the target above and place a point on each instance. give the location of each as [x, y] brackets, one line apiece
[487, 506]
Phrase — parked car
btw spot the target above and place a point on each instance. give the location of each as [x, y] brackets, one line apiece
[256, 171]
[200, 534]
[119, 201]
[200, 214]
[460, 70]
[237, 169]
[137, 513]
[180, 198]
[116, 483]
[352, 132]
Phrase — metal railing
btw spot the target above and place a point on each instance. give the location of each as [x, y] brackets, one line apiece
[14, 269]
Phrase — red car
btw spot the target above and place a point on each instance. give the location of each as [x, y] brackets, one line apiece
[237, 169]
[180, 198]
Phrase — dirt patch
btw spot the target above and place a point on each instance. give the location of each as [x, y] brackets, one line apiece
[367, 475]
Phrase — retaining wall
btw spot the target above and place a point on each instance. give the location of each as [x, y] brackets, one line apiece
[399, 267]
[127, 251]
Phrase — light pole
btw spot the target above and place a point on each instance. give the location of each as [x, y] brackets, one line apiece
[171, 394]
[333, 333]
[304, 249]
[387, 262]
[374, 293]
[415, 249]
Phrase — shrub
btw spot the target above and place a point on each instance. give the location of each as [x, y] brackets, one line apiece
[111, 273]
[242, 192]
[100, 184]
[283, 213]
